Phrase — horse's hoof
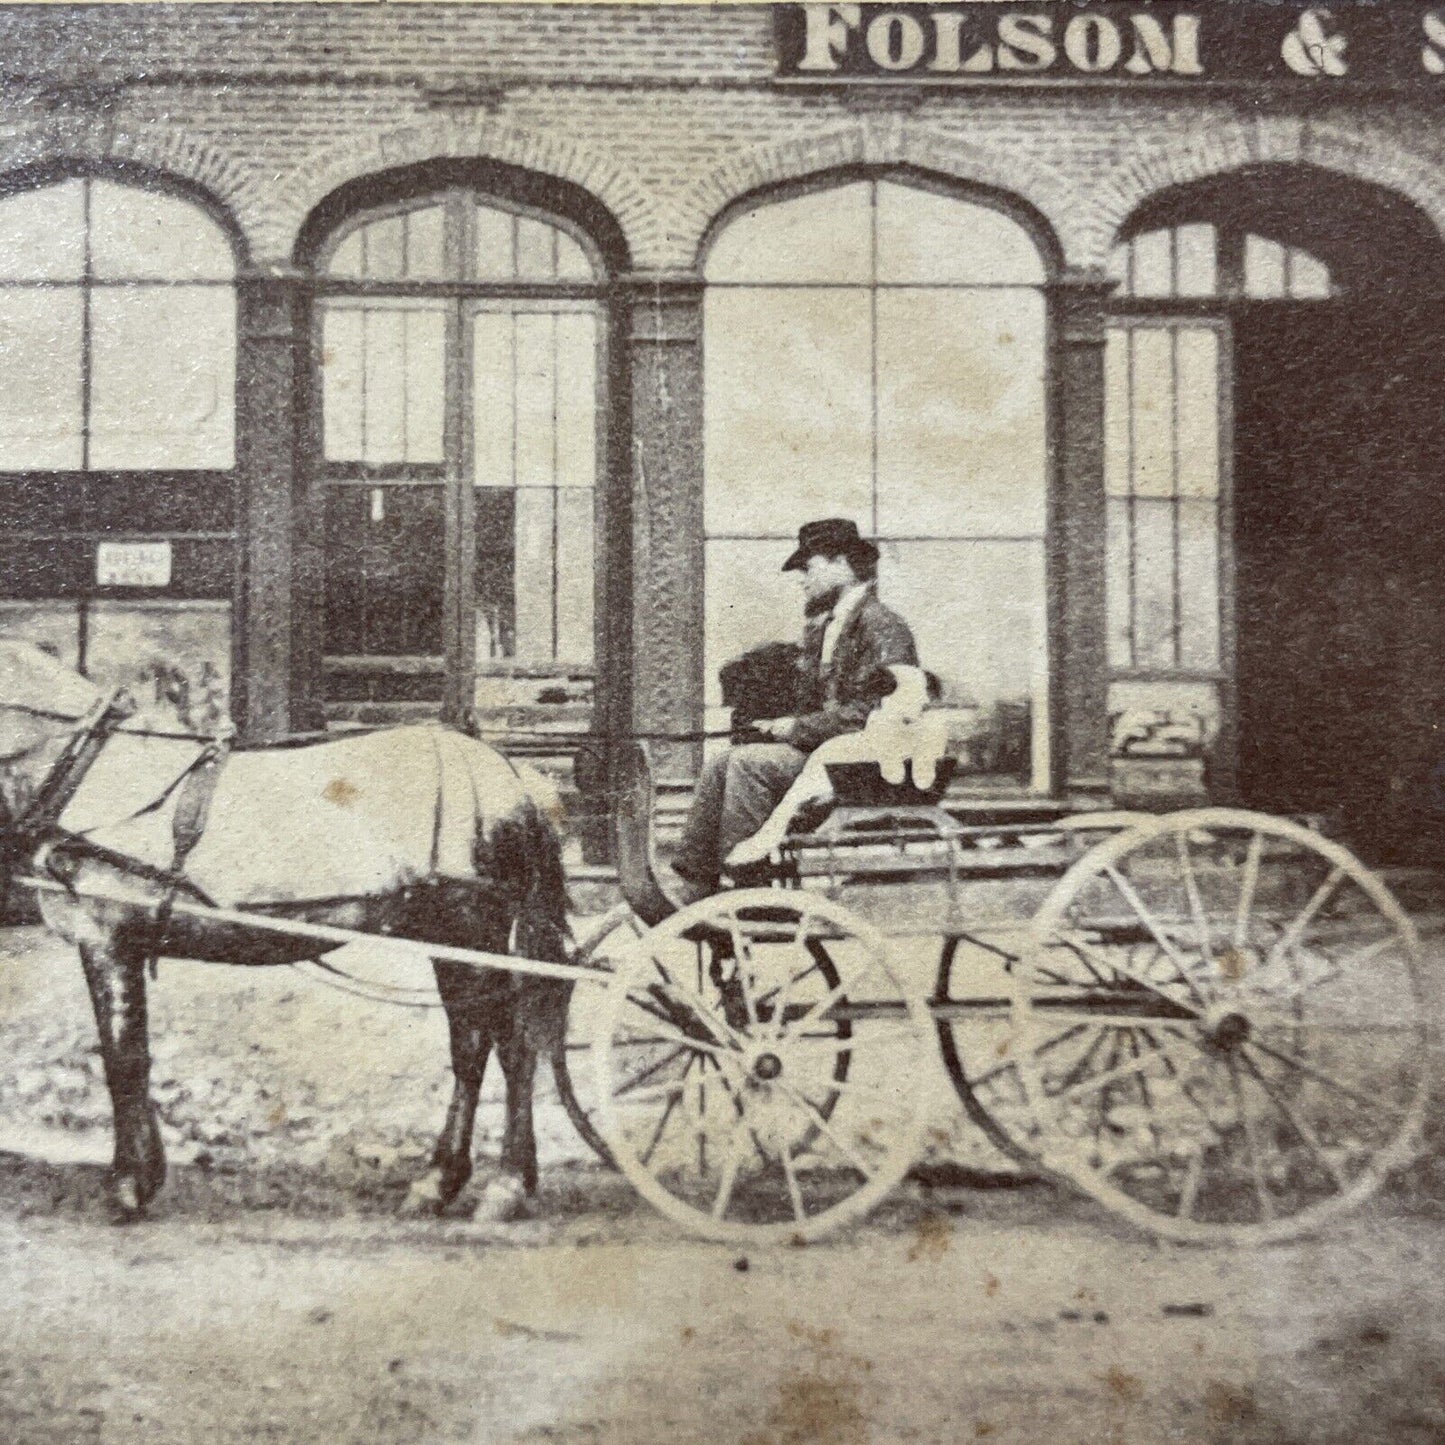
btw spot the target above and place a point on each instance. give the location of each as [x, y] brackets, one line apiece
[503, 1200]
[125, 1199]
[425, 1196]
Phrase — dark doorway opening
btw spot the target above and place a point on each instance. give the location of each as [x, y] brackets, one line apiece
[1339, 527]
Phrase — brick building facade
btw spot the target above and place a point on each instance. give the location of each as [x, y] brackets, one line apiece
[355, 160]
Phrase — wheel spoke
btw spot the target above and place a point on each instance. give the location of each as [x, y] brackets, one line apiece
[795, 1192]
[1141, 978]
[637, 1080]
[1298, 1123]
[651, 1093]
[1192, 1176]
[825, 1127]
[664, 1035]
[1293, 933]
[1196, 902]
[1251, 1140]
[743, 960]
[1132, 898]
[1302, 1066]
[656, 1139]
[730, 1168]
[1102, 1081]
[1247, 888]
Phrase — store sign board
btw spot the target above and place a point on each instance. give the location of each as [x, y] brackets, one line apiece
[1148, 43]
[133, 564]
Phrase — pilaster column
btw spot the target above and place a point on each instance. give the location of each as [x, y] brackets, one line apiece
[1079, 554]
[268, 338]
[665, 332]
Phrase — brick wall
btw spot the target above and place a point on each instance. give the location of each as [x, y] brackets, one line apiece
[664, 115]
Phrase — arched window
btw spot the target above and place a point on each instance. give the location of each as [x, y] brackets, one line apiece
[459, 371]
[117, 331]
[1199, 260]
[877, 351]
[117, 437]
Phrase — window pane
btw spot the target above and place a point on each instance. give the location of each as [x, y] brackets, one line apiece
[573, 263]
[425, 386]
[52, 625]
[788, 414]
[576, 399]
[1196, 260]
[130, 643]
[384, 362]
[494, 390]
[163, 377]
[1121, 637]
[425, 251]
[1263, 268]
[748, 600]
[960, 413]
[536, 257]
[536, 399]
[138, 235]
[822, 236]
[1117, 463]
[349, 258]
[496, 515]
[574, 576]
[1154, 585]
[342, 390]
[42, 234]
[1153, 412]
[383, 379]
[40, 370]
[1119, 267]
[1309, 279]
[533, 563]
[384, 572]
[1198, 408]
[924, 237]
[496, 258]
[1153, 267]
[978, 615]
[1198, 585]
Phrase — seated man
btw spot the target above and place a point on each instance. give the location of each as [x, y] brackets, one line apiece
[901, 736]
[849, 634]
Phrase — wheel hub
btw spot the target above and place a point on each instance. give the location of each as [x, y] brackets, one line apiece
[1227, 1032]
[767, 1067]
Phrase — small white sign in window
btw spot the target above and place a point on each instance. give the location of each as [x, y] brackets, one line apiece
[133, 564]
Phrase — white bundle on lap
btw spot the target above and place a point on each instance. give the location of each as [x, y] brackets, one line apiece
[899, 732]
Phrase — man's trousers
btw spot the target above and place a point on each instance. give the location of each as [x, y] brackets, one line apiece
[735, 796]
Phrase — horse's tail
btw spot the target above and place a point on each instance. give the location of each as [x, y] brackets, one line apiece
[523, 853]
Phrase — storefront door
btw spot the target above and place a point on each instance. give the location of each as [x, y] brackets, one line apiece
[459, 372]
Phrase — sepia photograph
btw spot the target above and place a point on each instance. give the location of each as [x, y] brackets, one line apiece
[722, 722]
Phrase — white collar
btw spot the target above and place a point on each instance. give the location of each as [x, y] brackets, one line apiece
[850, 599]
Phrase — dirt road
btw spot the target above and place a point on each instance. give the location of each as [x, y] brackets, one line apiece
[1018, 1318]
[274, 1295]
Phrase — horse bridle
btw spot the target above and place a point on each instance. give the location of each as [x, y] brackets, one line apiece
[66, 773]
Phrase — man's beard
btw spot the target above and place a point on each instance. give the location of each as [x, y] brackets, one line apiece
[822, 604]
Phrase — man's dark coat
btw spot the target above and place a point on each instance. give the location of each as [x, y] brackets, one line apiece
[836, 699]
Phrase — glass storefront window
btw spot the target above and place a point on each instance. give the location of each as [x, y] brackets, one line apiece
[877, 351]
[117, 331]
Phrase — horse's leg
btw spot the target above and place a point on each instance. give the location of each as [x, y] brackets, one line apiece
[116, 975]
[505, 1195]
[471, 1043]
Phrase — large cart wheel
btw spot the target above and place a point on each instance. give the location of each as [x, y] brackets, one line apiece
[758, 1066]
[972, 1010]
[1219, 1028]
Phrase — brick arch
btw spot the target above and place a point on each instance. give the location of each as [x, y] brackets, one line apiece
[94, 143]
[876, 141]
[1368, 154]
[324, 173]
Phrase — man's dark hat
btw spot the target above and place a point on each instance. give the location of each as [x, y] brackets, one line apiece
[832, 537]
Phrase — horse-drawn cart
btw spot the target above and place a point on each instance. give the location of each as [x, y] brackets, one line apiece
[1211, 1021]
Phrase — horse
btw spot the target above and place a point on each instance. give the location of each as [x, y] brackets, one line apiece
[419, 831]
